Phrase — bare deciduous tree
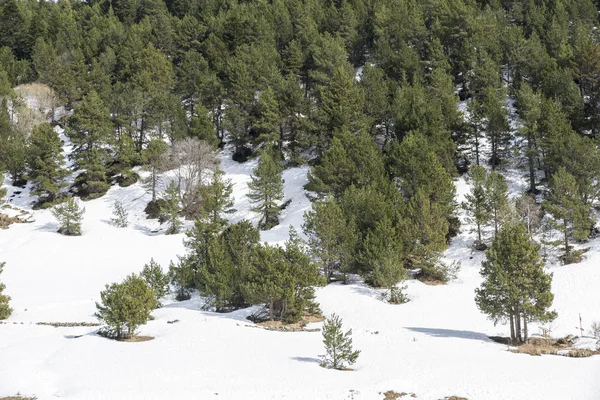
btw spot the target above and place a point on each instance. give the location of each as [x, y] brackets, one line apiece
[192, 158]
[529, 212]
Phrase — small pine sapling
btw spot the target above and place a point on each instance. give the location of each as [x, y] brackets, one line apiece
[125, 306]
[69, 215]
[181, 276]
[338, 345]
[171, 209]
[156, 279]
[5, 309]
[120, 216]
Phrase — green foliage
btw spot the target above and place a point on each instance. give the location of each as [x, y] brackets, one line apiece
[216, 198]
[515, 285]
[156, 279]
[120, 215]
[125, 306]
[5, 309]
[330, 237]
[570, 214]
[351, 159]
[69, 216]
[338, 345]
[45, 161]
[266, 188]
[171, 208]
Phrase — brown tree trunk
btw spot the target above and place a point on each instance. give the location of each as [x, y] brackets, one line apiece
[512, 327]
[526, 337]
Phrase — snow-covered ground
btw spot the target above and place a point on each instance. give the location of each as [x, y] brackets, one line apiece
[435, 346]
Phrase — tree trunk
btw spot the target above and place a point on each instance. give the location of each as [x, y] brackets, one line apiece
[518, 326]
[271, 310]
[525, 333]
[153, 184]
[531, 166]
[566, 231]
[512, 327]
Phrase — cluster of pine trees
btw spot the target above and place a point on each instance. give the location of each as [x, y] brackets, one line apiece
[164, 83]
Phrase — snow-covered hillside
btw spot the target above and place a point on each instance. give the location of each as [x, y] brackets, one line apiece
[435, 346]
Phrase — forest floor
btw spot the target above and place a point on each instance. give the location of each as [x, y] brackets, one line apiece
[435, 346]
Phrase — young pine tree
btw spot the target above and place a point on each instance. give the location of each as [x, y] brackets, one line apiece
[216, 198]
[515, 285]
[330, 238]
[5, 309]
[171, 209]
[45, 161]
[125, 306]
[477, 205]
[120, 216]
[69, 215]
[266, 188]
[156, 279]
[338, 344]
[497, 197]
[571, 214]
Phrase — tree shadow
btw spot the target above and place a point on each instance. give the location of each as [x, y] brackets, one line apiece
[306, 359]
[451, 333]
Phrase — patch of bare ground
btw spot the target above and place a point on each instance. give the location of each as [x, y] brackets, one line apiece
[455, 398]
[299, 326]
[391, 395]
[538, 346]
[18, 397]
[136, 338]
[22, 218]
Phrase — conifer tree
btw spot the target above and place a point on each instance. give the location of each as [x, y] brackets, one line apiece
[5, 309]
[155, 157]
[69, 215]
[120, 216]
[529, 107]
[496, 191]
[477, 204]
[515, 286]
[156, 279]
[267, 124]
[125, 306]
[330, 237]
[383, 251]
[171, 208]
[216, 198]
[45, 163]
[338, 344]
[351, 159]
[571, 215]
[266, 188]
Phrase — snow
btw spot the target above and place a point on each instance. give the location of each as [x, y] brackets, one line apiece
[436, 345]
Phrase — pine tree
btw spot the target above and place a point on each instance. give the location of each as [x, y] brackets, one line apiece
[69, 215]
[515, 285]
[45, 163]
[120, 215]
[125, 306]
[182, 277]
[477, 204]
[383, 250]
[266, 188]
[91, 130]
[338, 345]
[155, 157]
[496, 192]
[571, 215]
[351, 159]
[529, 107]
[268, 120]
[156, 279]
[171, 209]
[216, 198]
[5, 309]
[330, 238]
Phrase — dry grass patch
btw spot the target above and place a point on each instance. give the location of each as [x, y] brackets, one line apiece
[391, 395]
[538, 346]
[299, 326]
[18, 397]
[136, 339]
